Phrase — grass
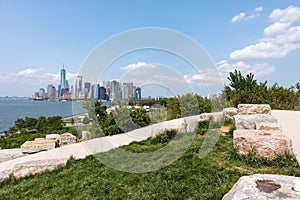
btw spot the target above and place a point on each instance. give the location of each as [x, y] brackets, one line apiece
[189, 177]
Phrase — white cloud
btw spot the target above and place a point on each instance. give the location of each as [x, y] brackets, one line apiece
[280, 38]
[258, 69]
[34, 77]
[238, 17]
[139, 65]
[244, 17]
[258, 9]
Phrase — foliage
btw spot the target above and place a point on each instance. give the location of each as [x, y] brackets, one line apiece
[247, 90]
[31, 128]
[85, 120]
[187, 178]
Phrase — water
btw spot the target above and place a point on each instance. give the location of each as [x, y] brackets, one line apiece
[10, 110]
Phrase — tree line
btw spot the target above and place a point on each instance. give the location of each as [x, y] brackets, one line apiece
[246, 89]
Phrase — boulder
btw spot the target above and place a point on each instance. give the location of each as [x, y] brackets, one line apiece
[228, 113]
[248, 121]
[37, 146]
[251, 109]
[268, 128]
[37, 166]
[205, 117]
[264, 146]
[66, 139]
[263, 187]
[225, 129]
[52, 136]
[86, 135]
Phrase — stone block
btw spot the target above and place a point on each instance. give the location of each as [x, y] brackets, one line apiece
[268, 128]
[248, 121]
[37, 166]
[263, 187]
[228, 113]
[205, 117]
[37, 146]
[252, 109]
[265, 146]
[66, 139]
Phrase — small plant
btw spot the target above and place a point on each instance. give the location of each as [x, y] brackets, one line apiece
[202, 127]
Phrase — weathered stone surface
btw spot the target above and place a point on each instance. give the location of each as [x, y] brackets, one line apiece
[85, 135]
[248, 121]
[264, 187]
[251, 109]
[37, 146]
[205, 117]
[66, 139]
[268, 127]
[37, 166]
[4, 174]
[52, 136]
[9, 154]
[228, 113]
[225, 129]
[265, 146]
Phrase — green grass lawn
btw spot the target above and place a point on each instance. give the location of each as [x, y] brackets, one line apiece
[187, 178]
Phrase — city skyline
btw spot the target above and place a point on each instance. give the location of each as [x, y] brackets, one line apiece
[262, 37]
[101, 90]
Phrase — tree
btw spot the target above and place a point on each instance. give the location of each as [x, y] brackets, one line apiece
[245, 89]
[85, 120]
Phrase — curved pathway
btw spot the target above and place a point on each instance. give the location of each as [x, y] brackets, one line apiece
[290, 124]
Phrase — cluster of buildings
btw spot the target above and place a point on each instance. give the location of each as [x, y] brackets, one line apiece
[106, 90]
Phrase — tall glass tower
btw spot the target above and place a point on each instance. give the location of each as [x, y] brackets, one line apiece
[63, 83]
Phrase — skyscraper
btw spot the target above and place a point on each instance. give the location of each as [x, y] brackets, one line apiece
[63, 83]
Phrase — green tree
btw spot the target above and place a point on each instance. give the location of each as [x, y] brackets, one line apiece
[85, 120]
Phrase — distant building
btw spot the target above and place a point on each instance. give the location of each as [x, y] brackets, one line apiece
[63, 83]
[138, 93]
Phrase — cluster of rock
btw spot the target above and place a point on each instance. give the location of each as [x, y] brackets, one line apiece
[264, 186]
[257, 130]
[48, 143]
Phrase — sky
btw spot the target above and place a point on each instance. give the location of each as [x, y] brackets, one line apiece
[38, 37]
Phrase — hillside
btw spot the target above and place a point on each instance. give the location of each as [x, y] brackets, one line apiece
[187, 178]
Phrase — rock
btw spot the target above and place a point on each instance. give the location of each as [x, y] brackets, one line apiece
[39, 139]
[205, 117]
[66, 139]
[268, 128]
[263, 187]
[265, 146]
[225, 129]
[37, 146]
[228, 113]
[86, 135]
[248, 121]
[37, 166]
[52, 136]
[9, 154]
[4, 174]
[250, 109]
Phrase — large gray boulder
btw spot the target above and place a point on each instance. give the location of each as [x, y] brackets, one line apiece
[265, 146]
[37, 166]
[248, 121]
[252, 109]
[264, 187]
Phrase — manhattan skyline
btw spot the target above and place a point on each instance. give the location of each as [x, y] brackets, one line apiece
[261, 37]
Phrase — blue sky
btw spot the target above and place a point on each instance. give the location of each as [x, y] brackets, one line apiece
[37, 37]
